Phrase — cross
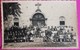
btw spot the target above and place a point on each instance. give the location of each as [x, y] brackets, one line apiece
[38, 4]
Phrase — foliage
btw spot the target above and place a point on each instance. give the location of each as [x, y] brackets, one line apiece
[11, 9]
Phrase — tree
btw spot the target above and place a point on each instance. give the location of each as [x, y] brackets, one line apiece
[11, 9]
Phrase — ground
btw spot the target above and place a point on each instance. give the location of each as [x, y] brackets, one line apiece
[39, 43]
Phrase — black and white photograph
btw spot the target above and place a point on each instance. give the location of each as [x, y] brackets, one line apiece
[39, 24]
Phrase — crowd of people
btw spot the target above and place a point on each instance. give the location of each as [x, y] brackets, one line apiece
[27, 34]
[17, 34]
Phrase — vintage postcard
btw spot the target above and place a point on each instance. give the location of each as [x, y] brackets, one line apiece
[38, 23]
